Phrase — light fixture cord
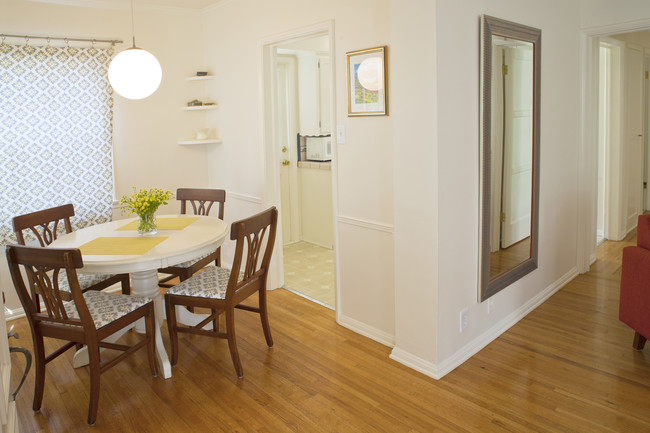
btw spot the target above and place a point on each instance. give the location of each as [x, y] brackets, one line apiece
[132, 24]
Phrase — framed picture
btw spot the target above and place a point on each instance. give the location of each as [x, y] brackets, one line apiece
[367, 93]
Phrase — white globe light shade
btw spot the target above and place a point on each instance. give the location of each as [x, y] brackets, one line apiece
[135, 73]
[371, 73]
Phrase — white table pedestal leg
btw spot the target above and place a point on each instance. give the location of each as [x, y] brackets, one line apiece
[191, 319]
[145, 283]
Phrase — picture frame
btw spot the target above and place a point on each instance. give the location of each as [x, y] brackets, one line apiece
[367, 82]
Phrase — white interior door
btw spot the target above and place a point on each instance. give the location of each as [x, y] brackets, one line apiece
[633, 151]
[287, 130]
[518, 145]
[610, 134]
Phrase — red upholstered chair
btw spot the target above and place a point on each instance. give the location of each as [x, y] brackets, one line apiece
[634, 308]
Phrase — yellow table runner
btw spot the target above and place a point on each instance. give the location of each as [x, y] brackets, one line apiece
[163, 224]
[121, 246]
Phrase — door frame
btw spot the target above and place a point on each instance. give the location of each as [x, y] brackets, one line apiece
[268, 50]
[646, 132]
[588, 152]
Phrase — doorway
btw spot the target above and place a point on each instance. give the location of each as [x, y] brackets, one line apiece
[299, 113]
[622, 173]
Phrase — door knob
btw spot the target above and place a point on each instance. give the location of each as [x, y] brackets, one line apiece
[284, 149]
[286, 162]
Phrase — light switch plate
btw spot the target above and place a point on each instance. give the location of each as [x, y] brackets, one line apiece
[340, 134]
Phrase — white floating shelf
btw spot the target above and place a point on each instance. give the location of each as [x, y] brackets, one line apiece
[201, 78]
[193, 142]
[200, 107]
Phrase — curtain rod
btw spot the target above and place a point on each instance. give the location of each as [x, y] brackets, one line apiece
[48, 38]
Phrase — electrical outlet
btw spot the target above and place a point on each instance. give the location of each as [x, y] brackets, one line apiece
[464, 319]
[490, 305]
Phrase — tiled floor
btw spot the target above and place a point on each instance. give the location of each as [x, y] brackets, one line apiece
[309, 270]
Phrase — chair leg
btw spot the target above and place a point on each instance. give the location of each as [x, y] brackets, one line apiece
[232, 343]
[149, 320]
[171, 326]
[126, 285]
[39, 373]
[93, 355]
[639, 341]
[264, 317]
[184, 275]
[215, 322]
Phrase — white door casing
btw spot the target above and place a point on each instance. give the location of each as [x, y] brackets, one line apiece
[633, 148]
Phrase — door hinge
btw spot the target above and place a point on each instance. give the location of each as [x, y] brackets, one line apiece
[503, 217]
[645, 185]
[646, 75]
[505, 69]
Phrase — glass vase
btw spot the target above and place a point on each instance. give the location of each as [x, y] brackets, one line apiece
[147, 224]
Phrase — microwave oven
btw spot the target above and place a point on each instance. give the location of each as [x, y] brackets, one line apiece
[319, 148]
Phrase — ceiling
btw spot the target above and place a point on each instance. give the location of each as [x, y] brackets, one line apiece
[195, 5]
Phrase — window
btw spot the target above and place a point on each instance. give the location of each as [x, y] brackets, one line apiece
[56, 111]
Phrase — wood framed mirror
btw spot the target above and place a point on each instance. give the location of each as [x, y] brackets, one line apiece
[509, 152]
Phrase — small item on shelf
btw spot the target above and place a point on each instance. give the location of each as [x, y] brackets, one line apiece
[209, 103]
[195, 103]
[203, 134]
[201, 73]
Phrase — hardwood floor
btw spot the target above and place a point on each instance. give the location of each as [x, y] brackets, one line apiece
[568, 366]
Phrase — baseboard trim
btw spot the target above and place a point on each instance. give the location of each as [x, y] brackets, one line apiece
[16, 313]
[367, 331]
[439, 370]
[416, 363]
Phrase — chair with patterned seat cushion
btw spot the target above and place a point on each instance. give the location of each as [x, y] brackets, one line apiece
[87, 319]
[45, 225]
[201, 201]
[222, 290]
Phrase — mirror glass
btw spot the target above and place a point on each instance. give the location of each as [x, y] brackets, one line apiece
[510, 88]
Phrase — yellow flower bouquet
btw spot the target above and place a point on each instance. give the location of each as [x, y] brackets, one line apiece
[144, 203]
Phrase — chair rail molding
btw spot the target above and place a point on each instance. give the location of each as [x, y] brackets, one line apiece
[244, 197]
[371, 225]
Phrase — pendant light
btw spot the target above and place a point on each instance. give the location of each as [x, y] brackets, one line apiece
[134, 73]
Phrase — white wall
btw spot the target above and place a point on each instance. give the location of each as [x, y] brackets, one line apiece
[560, 133]
[598, 13]
[235, 33]
[638, 38]
[453, 154]
[414, 111]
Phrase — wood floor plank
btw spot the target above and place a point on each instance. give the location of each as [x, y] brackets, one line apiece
[568, 366]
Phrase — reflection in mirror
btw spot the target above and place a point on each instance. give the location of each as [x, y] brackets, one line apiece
[510, 65]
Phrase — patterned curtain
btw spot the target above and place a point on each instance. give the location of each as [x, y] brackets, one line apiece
[56, 112]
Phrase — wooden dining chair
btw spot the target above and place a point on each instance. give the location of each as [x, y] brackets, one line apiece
[87, 319]
[45, 225]
[201, 201]
[223, 290]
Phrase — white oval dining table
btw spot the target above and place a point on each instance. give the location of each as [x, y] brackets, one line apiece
[201, 236]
